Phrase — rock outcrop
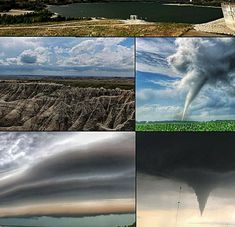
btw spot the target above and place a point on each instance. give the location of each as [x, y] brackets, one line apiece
[56, 107]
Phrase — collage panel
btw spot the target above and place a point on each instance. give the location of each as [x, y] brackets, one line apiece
[185, 84]
[117, 113]
[117, 18]
[67, 84]
[185, 179]
[67, 179]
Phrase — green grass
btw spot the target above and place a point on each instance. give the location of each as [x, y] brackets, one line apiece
[187, 126]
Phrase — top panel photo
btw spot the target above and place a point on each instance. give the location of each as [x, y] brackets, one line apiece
[117, 18]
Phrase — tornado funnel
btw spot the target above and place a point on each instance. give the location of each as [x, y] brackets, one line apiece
[193, 92]
[202, 193]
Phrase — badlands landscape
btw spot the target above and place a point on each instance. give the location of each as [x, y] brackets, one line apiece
[67, 104]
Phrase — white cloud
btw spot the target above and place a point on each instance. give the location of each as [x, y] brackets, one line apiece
[100, 56]
[100, 52]
[39, 55]
[149, 94]
[157, 112]
[152, 55]
[10, 61]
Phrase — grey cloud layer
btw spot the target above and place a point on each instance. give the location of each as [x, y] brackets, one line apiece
[96, 171]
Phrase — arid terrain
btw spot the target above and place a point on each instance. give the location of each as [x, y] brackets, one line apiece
[67, 104]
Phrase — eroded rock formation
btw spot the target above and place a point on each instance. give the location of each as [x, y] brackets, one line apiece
[49, 106]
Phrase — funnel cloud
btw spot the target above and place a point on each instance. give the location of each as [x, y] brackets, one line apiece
[204, 162]
[185, 79]
[203, 61]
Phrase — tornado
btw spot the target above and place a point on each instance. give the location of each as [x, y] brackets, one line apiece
[202, 197]
[193, 92]
[203, 62]
[198, 160]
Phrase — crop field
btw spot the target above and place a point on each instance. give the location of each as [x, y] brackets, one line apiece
[187, 126]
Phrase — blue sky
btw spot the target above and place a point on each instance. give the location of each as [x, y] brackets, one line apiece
[169, 70]
[66, 56]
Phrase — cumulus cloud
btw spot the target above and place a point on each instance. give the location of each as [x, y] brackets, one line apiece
[72, 56]
[60, 168]
[97, 52]
[39, 55]
[28, 57]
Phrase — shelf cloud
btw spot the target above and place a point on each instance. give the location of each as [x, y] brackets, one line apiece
[67, 174]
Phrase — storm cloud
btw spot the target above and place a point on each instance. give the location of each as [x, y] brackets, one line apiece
[204, 61]
[203, 161]
[69, 170]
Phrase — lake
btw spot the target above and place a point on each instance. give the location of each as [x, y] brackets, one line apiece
[112, 220]
[149, 11]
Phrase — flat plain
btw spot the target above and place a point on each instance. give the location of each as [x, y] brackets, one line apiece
[228, 125]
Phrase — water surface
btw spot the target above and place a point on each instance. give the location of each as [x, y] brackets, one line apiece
[145, 10]
[98, 221]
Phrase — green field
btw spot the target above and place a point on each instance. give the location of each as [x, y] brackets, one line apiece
[187, 126]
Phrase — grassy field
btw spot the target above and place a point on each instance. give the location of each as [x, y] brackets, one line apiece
[108, 83]
[95, 28]
[187, 126]
[124, 83]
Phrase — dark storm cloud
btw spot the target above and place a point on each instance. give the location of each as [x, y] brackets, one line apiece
[203, 161]
[102, 169]
[204, 61]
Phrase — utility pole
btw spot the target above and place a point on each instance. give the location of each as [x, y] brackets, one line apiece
[178, 207]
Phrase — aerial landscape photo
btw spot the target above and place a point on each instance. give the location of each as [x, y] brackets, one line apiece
[117, 18]
[185, 179]
[67, 179]
[185, 84]
[67, 84]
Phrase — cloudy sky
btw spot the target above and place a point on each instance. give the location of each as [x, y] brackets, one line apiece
[189, 78]
[67, 175]
[196, 163]
[66, 56]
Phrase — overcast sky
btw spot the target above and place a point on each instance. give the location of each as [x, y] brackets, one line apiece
[67, 56]
[194, 72]
[201, 164]
[66, 174]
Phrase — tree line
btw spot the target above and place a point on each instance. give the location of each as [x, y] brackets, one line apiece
[40, 16]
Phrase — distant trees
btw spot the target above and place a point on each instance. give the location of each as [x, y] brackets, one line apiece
[40, 16]
[133, 225]
[6, 5]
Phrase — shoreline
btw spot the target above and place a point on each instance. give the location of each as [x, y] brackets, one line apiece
[217, 27]
[191, 5]
[138, 1]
